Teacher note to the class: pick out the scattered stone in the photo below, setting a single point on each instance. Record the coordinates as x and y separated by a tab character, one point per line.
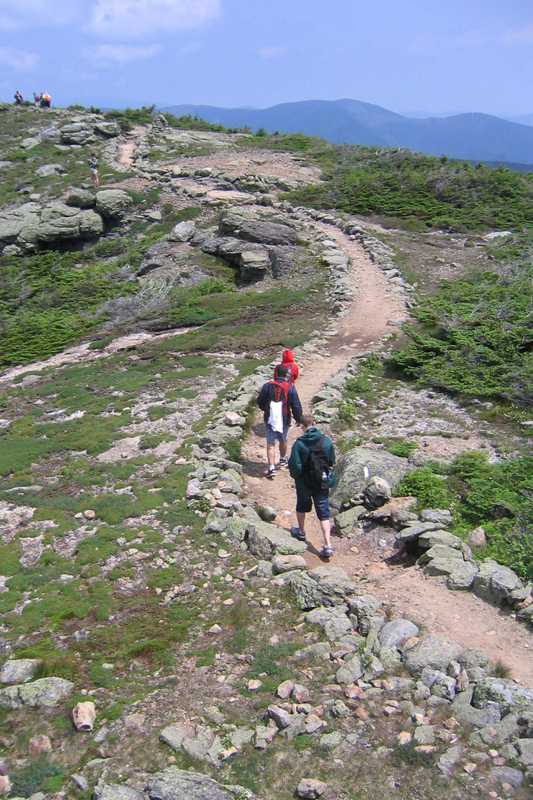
254	685
39	744
431	651
83	716
331	740
477	538
501	775
284	690
80	781
404	737
397	632
311	789
5	784
177	784
449	759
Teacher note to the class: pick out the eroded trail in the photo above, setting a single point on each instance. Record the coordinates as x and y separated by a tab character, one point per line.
126	149
427	601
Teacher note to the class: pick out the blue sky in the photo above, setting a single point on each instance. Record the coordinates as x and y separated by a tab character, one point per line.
439	56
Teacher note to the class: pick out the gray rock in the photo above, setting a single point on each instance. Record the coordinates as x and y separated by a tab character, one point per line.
76	133
477	538
350	671
42	693
49	170
514	777
396	632
413	530
80	781
322	586
282	564
112	203
334	621
177	784
249	225
462	575
363	605
107	128
390	658
310	789
424	735
352	469
495	582
330	740
174	735
444	686
449	759
497	733
431	651
478	717
509	696
18	670
438	537
113	791
525	751
377	492
346	520
80	198
440	552
182	232
266	541
440	515
472	657
526	614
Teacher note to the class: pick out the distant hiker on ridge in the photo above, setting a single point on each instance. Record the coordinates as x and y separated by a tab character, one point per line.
312	457
37	99
276	400
18	98
292	369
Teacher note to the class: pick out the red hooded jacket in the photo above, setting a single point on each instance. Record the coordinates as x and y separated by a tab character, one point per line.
288	361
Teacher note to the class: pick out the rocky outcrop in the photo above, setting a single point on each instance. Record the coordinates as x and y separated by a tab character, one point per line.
42	693
112	203
87	130
32	227
178	784
354	470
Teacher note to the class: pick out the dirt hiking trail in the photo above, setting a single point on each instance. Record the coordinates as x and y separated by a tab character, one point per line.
406	590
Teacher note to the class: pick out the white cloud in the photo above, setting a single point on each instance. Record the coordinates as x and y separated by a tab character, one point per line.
38	13
138	18
519	35
271	52
18	60
109	55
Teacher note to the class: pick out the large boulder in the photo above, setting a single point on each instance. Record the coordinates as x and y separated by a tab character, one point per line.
495	582
178	784
396	632
112	203
354	469
77	133
431	651
80	198
60	222
42	693
21	223
507	694
242	223
107	128
18	670
322	586
114	791
265	541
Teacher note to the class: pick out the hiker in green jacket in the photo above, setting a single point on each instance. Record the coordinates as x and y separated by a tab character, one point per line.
312	457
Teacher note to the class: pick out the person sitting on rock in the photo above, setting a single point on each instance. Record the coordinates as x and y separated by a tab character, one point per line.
277	399
292	368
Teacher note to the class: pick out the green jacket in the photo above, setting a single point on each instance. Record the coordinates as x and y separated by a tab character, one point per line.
300	453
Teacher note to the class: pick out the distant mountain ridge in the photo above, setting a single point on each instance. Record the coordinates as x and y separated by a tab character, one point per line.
477	137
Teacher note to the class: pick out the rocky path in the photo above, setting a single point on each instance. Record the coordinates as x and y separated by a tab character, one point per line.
127	147
427	601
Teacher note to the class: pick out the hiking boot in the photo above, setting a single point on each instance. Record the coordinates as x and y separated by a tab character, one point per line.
326	552
296	533
271	472
283	461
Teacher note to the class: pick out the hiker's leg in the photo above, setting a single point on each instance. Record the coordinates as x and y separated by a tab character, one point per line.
325	524
303	505
271	454
282	448
321	501
300	516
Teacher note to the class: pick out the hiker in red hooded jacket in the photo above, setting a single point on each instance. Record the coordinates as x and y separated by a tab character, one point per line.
292	368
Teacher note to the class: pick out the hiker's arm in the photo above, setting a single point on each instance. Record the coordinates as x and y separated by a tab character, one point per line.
263	397
295	461
331	454
296	406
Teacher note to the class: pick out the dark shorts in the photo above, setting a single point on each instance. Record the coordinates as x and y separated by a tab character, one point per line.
305	499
